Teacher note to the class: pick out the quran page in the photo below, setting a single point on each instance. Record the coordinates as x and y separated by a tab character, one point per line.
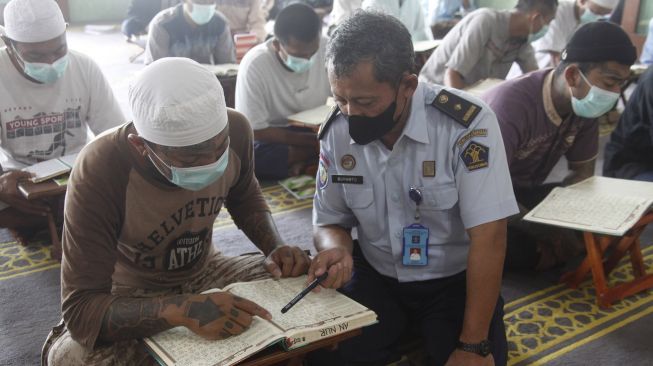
51	168
316	316
180	346
315	116
580	207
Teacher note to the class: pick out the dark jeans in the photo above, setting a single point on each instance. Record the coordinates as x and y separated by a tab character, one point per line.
133	27
432	309
271	160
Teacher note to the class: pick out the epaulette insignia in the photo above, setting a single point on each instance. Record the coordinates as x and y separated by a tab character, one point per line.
461	110
324	127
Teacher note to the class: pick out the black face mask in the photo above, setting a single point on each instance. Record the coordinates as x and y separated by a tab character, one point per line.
364	130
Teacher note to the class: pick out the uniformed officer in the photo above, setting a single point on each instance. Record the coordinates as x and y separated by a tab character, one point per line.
420	171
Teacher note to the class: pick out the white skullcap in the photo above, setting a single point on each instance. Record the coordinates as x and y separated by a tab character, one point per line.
609	4
177	102
33	21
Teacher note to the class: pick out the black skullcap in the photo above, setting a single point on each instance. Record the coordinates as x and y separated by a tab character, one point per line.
600	42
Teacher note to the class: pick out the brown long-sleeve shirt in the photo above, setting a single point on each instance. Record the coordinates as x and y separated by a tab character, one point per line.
123	225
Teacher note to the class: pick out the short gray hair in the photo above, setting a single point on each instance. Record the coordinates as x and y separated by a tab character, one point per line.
371	36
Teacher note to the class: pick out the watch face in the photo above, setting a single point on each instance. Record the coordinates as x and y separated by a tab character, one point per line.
485	348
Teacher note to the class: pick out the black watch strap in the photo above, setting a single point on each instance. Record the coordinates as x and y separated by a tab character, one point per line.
483	348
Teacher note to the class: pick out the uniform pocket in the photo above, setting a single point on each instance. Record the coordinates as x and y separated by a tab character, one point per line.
359	197
439	197
360	201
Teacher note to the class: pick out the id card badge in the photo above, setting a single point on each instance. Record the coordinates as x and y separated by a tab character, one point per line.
416	245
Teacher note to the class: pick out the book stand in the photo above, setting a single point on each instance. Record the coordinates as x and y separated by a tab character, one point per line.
596	246
47	189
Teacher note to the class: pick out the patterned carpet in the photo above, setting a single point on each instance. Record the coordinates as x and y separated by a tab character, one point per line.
543	323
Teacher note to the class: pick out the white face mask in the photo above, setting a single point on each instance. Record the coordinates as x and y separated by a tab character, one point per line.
596	103
42	72
197	177
201	13
589	16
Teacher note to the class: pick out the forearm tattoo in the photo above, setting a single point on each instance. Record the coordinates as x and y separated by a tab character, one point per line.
260	229
132	318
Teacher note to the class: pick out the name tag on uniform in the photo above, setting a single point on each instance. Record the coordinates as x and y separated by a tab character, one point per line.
416	245
347	179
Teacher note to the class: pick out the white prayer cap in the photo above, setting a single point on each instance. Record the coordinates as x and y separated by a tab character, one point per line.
609	4
33	21
177	102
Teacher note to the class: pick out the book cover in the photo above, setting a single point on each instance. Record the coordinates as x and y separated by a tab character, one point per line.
301	187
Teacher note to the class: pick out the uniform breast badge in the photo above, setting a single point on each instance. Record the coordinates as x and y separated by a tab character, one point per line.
348	162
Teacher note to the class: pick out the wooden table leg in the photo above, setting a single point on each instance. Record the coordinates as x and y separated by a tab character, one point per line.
595	257
574	279
54	237
637	260
620	250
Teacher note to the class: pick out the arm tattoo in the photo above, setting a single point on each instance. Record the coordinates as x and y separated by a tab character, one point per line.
131	318
260	229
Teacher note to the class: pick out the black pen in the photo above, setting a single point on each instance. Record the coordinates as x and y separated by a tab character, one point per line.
305	292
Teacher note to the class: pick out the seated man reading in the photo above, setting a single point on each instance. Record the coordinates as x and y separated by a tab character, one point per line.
570	16
278	78
552	113
49	98
486	42
244	16
137	244
192	29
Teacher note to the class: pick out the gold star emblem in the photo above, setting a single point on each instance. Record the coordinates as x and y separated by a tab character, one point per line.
457	107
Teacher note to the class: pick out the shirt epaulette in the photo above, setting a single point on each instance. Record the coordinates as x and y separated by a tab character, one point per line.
324	127
461	110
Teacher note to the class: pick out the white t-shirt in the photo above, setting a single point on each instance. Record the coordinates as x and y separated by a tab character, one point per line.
344	8
40	122
561	28
409	12
267	93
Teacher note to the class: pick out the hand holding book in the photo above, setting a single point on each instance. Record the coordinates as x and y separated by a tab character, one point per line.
10	195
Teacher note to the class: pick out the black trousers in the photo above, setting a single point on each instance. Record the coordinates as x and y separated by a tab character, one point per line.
432	309
521	243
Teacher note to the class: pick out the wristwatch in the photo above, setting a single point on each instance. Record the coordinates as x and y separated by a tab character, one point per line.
482	349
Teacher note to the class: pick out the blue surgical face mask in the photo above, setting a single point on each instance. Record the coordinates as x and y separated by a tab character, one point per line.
298	64
597	102
42	72
197	177
589	16
201	13
532	37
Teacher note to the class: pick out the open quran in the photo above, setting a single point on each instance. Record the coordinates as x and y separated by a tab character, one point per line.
317	316
51	168
600	205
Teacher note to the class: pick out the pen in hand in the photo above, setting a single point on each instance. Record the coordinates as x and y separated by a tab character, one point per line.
305	292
